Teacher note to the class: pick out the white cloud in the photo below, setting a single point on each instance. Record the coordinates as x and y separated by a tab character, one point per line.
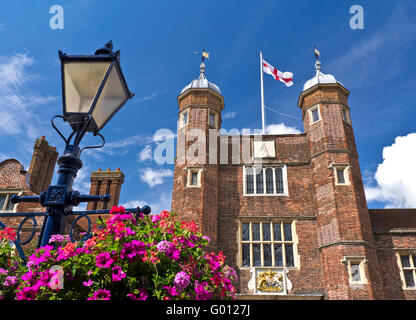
16	102
149	97
82	181
396	175
281	128
154	177
229	115
146	153
156	205
274	128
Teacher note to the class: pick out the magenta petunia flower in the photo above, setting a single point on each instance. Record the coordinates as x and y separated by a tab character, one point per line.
88	283
142	295
101	294
118	274
103	260
28	293
171	290
133	249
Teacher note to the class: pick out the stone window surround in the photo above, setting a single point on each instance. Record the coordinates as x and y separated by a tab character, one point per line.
10	192
310	110
362	261
190	170
347	114
346	168
408	252
250	220
181	118
215	119
254	167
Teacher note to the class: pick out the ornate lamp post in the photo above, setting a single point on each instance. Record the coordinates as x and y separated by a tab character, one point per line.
93	90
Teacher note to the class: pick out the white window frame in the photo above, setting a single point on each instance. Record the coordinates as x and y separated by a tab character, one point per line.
361	261
181	118
412	267
345	167
274	194
272	242
215	114
310	110
346	111
8	194
189	177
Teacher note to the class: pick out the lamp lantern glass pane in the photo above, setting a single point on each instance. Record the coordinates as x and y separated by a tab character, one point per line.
82	81
111	98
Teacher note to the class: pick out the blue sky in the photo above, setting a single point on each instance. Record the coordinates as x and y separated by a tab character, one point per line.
157	40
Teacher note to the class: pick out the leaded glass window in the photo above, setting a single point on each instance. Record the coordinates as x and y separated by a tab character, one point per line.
408	266
355	271
249	181
194	179
267	244
5	203
269	180
315	115
279	180
185	118
265	181
340	175
259	181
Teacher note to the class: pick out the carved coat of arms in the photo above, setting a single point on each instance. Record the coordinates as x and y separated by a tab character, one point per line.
270	281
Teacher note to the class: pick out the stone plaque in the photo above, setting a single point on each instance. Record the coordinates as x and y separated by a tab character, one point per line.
264	149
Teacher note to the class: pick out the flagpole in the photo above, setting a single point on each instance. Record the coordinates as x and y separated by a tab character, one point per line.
262	95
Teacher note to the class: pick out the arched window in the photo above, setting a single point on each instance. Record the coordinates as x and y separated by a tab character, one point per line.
249	181
269	180
265	181
279	181
259	181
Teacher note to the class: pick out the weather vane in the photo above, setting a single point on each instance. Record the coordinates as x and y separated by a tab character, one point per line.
204	54
316	52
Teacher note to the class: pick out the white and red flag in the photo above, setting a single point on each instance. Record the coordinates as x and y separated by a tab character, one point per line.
285	77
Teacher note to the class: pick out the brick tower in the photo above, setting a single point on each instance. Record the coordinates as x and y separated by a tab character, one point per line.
103	182
344	231
42	165
195	187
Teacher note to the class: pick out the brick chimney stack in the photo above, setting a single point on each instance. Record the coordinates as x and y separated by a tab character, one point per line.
42	165
105	182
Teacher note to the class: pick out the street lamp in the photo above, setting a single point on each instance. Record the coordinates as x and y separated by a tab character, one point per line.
93	90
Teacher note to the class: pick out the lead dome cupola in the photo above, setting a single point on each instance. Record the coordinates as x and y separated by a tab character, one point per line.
319	77
202	82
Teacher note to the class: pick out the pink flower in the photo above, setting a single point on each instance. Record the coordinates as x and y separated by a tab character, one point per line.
182	280
142	295
155	218
10	281
169	249
101	294
103	260
201	290
171	290
133	249
88	283
28	293
118	274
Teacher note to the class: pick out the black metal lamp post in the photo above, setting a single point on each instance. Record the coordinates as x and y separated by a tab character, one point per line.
93	90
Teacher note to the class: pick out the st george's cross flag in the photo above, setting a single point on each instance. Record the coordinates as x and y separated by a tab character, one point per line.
285	77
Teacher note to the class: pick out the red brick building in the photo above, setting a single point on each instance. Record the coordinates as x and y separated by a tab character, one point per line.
289	211
15	180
